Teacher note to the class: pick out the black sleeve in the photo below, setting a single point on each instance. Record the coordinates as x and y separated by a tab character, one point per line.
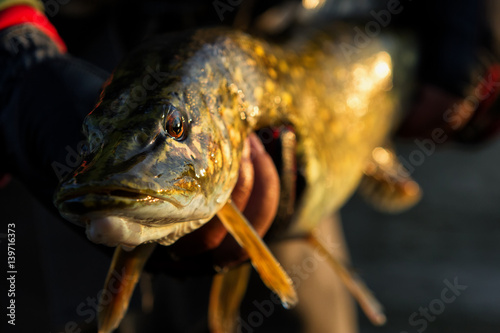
454	37
45	96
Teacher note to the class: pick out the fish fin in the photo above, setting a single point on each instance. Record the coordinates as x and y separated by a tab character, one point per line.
368	303
147	292
386	184
243	17
278	18
228	289
270	271
288	176
124	272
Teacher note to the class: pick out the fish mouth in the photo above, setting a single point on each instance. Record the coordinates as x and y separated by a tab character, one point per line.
126	193
79	201
132	194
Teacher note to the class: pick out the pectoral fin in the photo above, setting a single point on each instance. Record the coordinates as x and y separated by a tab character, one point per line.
368	303
228	289
270	271
288	174
386	184
123	274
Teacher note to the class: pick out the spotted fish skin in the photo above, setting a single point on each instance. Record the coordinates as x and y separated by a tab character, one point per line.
225	84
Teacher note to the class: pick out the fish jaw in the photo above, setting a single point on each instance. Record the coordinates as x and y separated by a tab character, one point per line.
130	221
116	230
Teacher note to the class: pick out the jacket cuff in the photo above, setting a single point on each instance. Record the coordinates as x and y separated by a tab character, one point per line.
24	14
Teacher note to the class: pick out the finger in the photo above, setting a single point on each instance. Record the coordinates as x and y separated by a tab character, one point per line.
262	205
243	189
264	199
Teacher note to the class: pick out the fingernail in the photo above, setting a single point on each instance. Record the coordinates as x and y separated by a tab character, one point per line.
256	145
247	151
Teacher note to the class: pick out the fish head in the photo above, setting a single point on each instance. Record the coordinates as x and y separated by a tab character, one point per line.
155	167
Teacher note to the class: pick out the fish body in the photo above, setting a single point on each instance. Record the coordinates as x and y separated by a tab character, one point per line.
222	85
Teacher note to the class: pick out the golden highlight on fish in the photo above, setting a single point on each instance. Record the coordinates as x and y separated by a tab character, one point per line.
166	137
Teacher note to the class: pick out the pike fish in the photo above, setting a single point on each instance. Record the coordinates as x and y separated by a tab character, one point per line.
166	137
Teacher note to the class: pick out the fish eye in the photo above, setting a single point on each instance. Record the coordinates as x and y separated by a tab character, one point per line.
175	125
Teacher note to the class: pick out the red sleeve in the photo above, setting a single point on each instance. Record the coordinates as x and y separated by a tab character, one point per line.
485	121
24	14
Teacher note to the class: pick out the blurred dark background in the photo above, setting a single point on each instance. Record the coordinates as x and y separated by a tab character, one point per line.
452	232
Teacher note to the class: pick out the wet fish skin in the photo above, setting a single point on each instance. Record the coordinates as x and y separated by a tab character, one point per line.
226	84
